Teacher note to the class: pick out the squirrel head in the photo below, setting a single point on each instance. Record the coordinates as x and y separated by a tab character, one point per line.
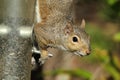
76	39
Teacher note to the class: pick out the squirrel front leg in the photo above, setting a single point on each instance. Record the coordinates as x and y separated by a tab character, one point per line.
39	56
44	56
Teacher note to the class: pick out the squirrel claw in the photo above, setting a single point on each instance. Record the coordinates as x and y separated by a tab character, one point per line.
50	55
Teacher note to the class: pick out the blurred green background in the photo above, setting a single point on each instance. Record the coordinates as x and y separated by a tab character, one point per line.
103	25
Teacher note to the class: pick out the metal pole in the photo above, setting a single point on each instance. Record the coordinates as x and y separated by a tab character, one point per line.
16	19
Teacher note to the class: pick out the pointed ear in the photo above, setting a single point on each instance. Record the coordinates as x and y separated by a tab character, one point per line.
82	24
68	28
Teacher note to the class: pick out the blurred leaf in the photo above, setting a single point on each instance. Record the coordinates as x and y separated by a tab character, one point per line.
98	39
117	37
78	72
82	73
110	11
103	55
111	2
116	61
112	71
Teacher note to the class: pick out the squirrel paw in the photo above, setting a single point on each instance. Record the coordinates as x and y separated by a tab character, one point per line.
39	56
45	58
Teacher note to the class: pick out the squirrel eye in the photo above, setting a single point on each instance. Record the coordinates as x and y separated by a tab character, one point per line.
75	39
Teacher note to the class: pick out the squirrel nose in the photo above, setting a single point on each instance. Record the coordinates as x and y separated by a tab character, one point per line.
88	52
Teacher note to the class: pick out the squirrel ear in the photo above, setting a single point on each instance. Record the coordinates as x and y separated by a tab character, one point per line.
82	24
68	28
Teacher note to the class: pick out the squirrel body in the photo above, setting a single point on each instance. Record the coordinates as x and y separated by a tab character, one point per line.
57	29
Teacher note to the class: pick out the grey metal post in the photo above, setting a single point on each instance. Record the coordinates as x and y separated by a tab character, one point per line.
16	20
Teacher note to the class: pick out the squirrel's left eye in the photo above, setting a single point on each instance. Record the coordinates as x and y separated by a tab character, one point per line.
75	39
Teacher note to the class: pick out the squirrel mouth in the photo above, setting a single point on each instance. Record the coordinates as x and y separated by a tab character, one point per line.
79	53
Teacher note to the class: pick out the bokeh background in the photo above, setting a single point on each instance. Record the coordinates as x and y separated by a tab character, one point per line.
103	25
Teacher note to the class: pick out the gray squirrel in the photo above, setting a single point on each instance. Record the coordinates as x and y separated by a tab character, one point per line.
55	27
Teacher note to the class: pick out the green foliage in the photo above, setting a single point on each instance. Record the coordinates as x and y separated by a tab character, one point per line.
111	10
101	46
111	2
117	37
98	39
112	71
77	72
